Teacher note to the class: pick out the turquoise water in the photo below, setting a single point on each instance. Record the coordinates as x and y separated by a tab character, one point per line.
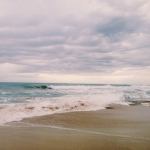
21	92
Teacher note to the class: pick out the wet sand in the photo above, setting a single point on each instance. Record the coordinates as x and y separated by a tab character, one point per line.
123	127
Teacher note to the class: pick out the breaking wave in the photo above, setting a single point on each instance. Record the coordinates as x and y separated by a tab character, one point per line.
16	112
38	87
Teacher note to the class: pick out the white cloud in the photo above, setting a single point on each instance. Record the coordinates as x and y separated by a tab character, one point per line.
10	68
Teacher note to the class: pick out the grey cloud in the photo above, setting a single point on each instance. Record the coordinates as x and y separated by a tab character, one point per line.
75	45
120	25
113	27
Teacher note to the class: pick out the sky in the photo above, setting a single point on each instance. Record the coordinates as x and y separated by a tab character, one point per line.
82	41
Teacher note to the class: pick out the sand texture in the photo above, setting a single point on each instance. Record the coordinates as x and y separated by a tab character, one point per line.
120	128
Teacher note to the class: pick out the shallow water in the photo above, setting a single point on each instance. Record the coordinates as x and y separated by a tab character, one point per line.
21	100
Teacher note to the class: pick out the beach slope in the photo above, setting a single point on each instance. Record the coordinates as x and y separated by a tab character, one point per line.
123	127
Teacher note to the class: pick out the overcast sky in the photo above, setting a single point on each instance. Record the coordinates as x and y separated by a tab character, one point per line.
81	41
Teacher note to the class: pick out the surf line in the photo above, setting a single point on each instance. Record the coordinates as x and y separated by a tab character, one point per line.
86	131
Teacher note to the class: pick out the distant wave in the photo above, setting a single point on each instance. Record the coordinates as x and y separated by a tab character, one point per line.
120	84
37	87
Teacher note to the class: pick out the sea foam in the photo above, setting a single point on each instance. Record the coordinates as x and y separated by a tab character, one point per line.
18	102
16	112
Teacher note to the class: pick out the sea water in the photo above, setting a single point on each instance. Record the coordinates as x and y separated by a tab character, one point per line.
23	100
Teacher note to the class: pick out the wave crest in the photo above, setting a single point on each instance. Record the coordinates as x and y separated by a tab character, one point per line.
38	87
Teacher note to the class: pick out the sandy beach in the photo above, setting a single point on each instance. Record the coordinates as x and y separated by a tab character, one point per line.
122	127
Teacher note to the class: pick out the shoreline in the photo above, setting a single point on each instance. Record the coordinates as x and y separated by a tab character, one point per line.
124	127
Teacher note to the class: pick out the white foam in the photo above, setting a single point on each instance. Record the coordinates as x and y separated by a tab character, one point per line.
39	107
73	98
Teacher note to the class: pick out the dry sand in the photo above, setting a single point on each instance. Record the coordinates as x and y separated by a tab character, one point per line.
121	128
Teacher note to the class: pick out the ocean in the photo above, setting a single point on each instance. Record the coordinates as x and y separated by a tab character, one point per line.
24	100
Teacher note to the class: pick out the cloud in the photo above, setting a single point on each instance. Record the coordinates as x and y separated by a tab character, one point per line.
10	68
72	38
